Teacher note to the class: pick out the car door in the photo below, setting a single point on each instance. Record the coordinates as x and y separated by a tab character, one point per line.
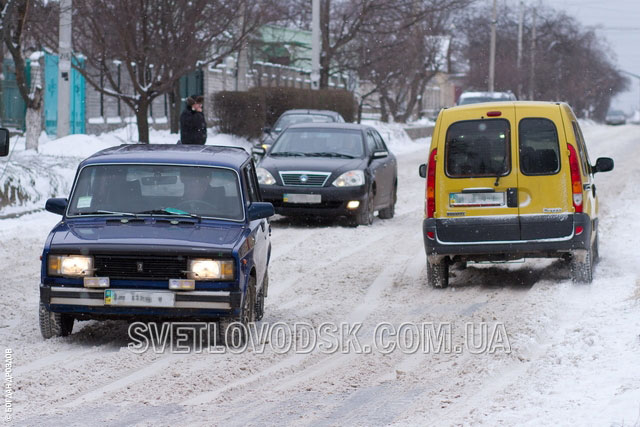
544	180
259	227
477	198
376	170
388	170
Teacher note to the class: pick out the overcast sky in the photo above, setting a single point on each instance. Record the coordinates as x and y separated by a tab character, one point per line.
619	22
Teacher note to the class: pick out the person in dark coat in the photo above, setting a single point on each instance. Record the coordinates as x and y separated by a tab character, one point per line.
193	128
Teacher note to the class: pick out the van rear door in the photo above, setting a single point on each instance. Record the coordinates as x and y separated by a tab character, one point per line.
477	200
544	181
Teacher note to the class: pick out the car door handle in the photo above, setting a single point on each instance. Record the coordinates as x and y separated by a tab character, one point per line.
586	186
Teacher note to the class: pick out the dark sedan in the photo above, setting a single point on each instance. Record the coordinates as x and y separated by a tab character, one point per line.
330	169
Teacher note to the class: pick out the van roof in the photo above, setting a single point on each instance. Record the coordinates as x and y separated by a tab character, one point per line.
503	104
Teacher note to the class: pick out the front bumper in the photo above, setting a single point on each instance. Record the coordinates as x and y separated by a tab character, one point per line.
89	303
504	249
333	200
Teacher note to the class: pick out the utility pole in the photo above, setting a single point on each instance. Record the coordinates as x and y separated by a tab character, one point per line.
315	44
519	59
532	71
64	69
492	51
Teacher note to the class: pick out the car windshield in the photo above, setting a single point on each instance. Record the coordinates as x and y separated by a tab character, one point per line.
346	143
292	119
616	113
130	189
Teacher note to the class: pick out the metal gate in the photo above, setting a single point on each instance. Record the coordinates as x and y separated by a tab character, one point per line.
77	99
13	106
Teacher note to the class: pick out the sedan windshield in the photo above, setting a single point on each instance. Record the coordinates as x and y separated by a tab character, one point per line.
292	119
157	190
345	143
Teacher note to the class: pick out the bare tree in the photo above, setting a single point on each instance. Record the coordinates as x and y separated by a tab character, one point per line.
17	20
157	42
572	63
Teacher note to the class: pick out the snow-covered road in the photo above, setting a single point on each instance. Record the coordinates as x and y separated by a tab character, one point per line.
573	349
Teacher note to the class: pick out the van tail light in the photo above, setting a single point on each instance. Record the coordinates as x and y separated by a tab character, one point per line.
431	184
576	179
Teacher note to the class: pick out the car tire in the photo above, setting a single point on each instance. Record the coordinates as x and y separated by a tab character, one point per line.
438	272
365	215
54	324
389	211
261	296
235	331
581	266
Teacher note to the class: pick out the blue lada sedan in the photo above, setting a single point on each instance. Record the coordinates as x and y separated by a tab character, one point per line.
157	232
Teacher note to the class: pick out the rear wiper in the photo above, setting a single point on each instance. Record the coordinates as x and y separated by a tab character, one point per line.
330	154
169	211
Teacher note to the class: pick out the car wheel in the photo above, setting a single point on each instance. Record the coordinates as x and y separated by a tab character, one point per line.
581	265
54	324
235	331
365	215
260	299
389	211
438	272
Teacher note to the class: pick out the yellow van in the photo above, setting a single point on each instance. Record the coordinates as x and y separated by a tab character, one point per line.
510	180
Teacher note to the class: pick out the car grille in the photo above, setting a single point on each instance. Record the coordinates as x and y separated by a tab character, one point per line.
140	267
306	179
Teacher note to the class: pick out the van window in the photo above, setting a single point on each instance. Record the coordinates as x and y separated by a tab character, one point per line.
582	149
539	148
476	148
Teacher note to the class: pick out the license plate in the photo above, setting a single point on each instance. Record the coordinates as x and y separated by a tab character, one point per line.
476	199
138	298
302	198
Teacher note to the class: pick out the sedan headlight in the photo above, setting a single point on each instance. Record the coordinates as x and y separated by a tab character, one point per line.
350	179
210	269
70	265
265	177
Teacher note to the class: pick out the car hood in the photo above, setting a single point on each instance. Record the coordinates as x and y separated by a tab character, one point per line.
311	164
149	235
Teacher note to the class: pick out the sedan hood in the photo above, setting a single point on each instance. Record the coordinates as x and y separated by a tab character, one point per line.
315	164
144	235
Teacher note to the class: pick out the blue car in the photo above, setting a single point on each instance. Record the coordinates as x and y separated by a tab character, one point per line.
158	232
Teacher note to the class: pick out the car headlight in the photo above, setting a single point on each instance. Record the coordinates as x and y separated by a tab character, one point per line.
265	177
70	265
350	179
210	269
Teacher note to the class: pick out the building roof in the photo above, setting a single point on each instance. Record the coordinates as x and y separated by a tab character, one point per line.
202	155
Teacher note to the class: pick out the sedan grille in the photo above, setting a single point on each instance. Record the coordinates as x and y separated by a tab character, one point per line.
140	267
305	179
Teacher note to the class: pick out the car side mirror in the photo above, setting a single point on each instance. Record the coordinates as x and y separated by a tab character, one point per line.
56	206
422	170
4	142
260	151
603	164
259	210
380	154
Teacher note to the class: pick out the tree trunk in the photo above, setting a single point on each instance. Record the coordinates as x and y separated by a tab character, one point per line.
33	124
384	113
33	120
174	107
142	112
325	54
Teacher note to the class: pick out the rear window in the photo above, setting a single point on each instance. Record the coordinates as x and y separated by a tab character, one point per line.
539	148
477	148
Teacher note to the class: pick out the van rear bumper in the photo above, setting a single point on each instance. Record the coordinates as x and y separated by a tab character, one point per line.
539	247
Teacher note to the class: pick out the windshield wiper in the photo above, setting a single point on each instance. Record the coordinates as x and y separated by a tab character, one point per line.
288	153
330	154
103	212
169	211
